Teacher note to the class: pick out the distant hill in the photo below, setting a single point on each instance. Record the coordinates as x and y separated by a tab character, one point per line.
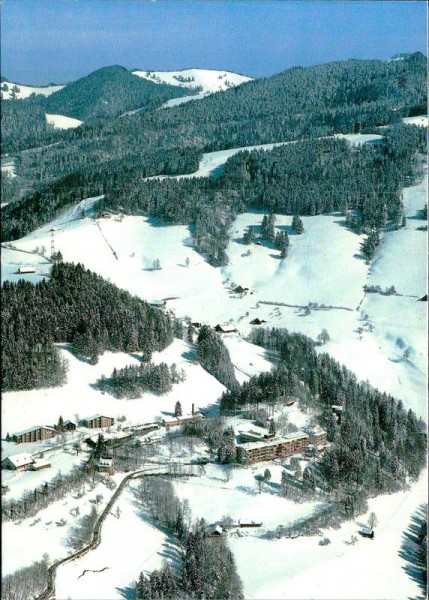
206	81
106	93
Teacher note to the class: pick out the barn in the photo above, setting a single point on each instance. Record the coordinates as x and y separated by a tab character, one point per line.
17	462
26	270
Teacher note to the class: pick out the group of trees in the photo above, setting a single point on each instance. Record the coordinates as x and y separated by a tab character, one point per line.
134	380
207	569
74	306
27	582
379	444
214	357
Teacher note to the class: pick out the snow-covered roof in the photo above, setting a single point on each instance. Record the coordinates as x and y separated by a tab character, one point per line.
255	432
42	462
35	428
18	460
97	417
105	462
315	430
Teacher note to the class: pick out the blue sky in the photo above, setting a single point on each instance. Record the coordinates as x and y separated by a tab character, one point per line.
61	40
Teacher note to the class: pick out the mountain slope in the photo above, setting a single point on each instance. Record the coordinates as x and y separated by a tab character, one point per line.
206	81
106	93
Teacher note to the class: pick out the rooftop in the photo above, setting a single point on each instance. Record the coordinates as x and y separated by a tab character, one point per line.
20	459
273	442
34	429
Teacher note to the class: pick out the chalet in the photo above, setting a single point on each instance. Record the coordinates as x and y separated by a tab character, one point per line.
40	464
106	465
275	448
69	426
17	462
225	328
367	532
99	421
255	434
257	321
215	531
26	270
34	434
248	524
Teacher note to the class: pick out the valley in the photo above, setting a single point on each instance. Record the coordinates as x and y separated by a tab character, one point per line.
255	369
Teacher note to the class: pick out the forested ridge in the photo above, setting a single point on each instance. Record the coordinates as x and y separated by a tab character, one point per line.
74	306
344	97
103	94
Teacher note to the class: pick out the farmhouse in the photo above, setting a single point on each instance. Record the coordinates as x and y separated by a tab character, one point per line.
98	421
26	270
278	447
34	434
17	462
225	328
257	321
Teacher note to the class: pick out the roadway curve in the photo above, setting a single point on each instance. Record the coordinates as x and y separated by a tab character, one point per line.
49	592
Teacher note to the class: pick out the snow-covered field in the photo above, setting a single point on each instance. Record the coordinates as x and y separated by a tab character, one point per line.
62	122
8	167
211	497
421	120
208	80
133	533
299	569
27	408
25	541
323	266
25	90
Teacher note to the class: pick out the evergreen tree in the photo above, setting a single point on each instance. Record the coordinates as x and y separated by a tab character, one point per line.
297	224
178	409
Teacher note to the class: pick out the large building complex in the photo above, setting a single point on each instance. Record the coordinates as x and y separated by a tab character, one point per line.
280	446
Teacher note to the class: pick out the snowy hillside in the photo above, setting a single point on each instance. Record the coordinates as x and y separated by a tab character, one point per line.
206	80
25	91
23	409
368	332
62	122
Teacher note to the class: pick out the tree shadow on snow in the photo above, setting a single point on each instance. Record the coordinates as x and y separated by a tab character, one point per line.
415	565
